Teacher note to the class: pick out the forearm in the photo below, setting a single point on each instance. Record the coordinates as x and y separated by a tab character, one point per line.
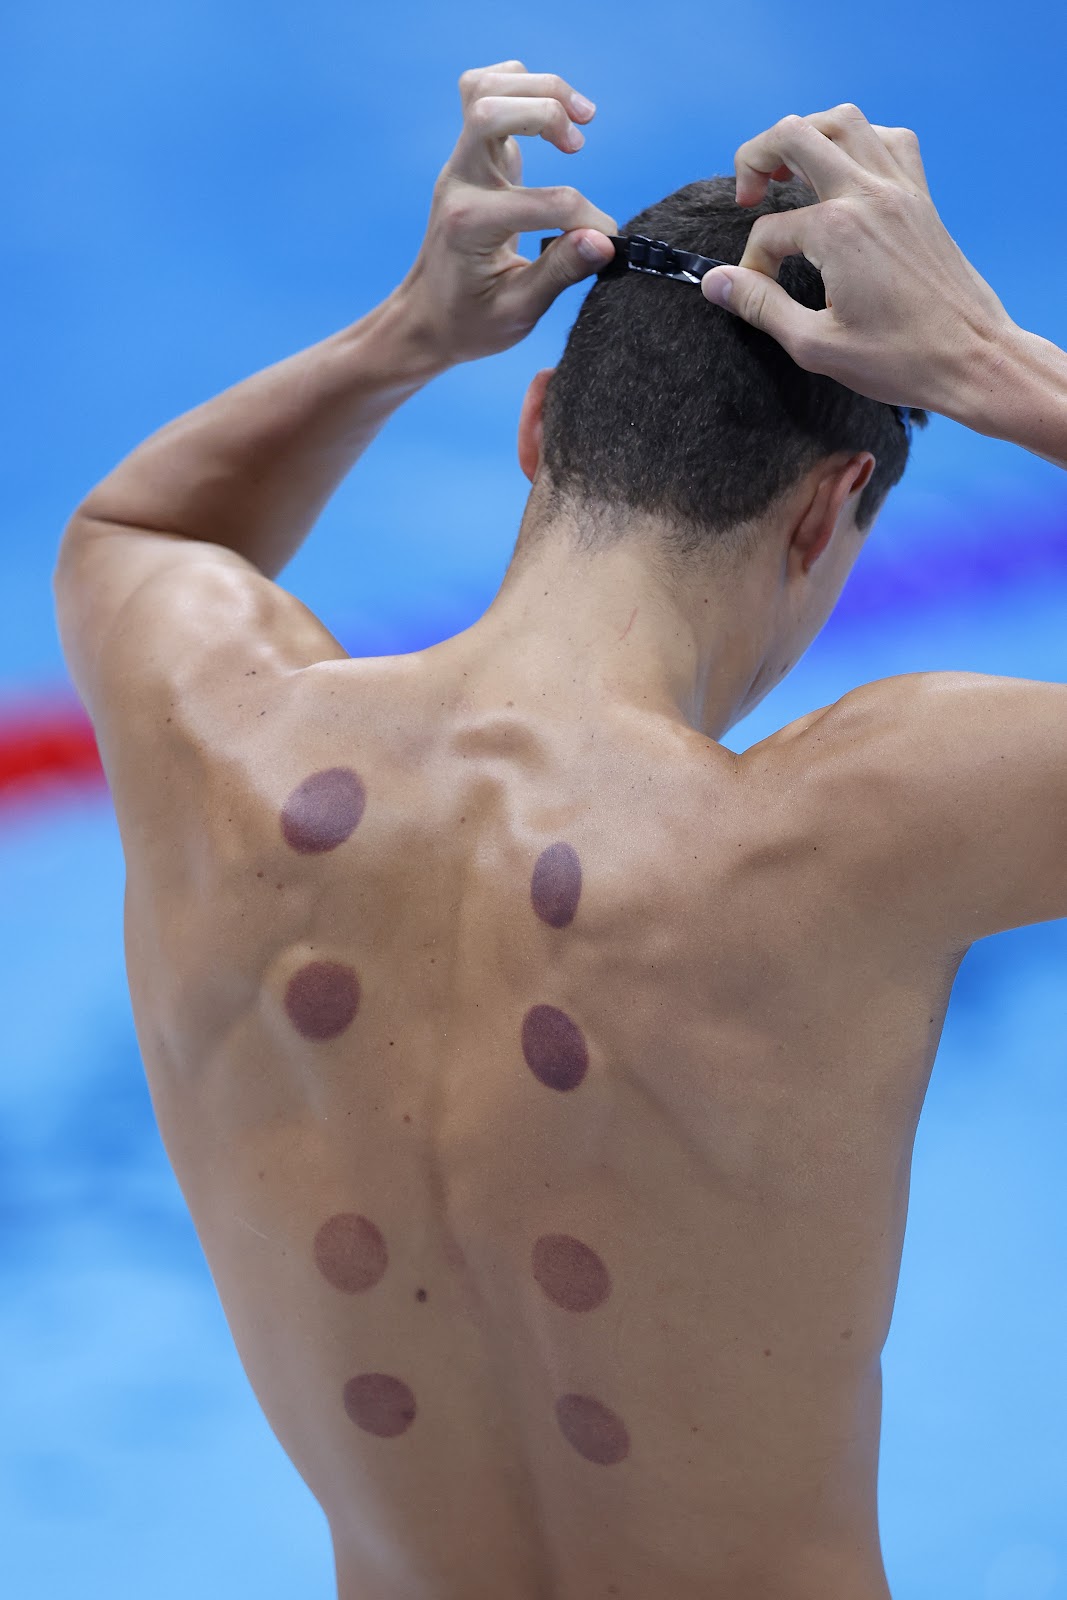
1017	390
253	468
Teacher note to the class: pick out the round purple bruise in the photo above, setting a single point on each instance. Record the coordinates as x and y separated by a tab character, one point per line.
323	810
594	1431
380	1404
572	1275
350	1252
554	1048
556	884
321	999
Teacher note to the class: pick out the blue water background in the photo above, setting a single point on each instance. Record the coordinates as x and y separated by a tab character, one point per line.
191	191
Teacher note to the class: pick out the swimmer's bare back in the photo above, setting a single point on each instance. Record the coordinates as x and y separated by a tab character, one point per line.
542	1076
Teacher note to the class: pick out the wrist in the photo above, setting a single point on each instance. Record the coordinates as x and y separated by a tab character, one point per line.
1015	388
398	342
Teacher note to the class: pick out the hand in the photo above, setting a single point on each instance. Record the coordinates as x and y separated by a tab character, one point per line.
470	291
906	311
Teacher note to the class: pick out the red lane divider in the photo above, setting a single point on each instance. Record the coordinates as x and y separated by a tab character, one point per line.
47	746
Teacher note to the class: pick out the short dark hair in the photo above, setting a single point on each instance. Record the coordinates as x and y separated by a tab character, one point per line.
665	404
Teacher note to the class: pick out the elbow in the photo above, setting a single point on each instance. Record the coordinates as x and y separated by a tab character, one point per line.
71	542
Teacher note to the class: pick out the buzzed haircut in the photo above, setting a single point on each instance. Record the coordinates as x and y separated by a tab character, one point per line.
664	404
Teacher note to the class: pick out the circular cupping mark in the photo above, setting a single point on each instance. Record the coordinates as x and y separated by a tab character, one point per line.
554	1048
572	1275
556	884
350	1252
321	999
594	1431
380	1404
323	810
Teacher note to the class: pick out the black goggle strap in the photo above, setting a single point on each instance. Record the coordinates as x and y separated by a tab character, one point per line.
635	253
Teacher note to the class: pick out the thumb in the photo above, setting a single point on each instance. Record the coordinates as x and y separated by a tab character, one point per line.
568	259
763	303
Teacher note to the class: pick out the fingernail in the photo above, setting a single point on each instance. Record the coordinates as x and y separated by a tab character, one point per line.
575	137
717	288
582	106
589	252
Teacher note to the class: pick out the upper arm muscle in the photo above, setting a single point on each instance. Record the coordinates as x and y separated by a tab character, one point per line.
957	787
155	627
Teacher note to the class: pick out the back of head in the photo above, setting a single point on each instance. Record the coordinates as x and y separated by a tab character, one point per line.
666	405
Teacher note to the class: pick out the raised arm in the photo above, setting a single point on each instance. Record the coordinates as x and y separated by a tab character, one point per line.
1021	395
962	777
252	469
163	579
908	320
953	784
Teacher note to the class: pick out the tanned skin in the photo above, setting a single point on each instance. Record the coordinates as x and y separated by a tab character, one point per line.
541	1075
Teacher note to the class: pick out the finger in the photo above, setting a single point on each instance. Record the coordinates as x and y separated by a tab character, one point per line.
796	143
567	261
511	161
469	80
903	146
849	129
534	210
781	234
491	119
537	85
764	304
487	217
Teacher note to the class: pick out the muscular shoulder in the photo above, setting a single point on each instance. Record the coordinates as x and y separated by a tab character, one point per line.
878	737
183	654
945	794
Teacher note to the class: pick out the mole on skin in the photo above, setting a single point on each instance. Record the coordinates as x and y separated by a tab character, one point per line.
322	999
556	884
380	1404
554	1048
571	1275
592	1429
323	811
350	1252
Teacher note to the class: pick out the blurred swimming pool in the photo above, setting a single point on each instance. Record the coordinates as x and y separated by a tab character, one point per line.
196	192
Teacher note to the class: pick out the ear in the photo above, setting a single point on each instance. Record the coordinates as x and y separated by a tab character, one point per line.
836	485
530	422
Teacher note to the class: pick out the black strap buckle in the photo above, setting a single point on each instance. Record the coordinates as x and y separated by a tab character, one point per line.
636	253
